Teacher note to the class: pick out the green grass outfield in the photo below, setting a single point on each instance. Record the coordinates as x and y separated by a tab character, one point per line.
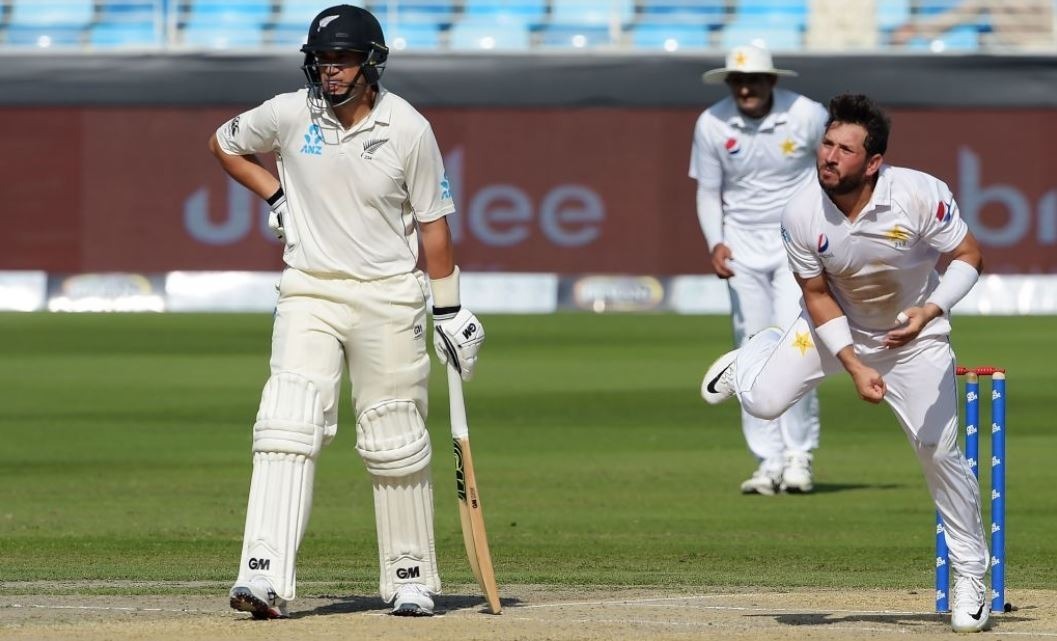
125	456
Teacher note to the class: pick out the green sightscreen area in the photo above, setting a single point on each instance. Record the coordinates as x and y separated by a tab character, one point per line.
125	457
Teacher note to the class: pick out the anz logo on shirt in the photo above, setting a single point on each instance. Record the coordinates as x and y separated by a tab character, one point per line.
313	141
445	188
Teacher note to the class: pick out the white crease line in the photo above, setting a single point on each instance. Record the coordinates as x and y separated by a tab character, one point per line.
103	608
648	601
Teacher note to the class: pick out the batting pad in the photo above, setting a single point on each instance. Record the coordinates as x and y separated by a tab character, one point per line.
394	444
287	439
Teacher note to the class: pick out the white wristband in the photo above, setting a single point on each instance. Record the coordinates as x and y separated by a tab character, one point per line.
834	334
446	290
956	282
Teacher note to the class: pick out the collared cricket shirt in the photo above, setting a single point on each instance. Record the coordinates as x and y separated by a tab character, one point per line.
885	260
757	165
353	196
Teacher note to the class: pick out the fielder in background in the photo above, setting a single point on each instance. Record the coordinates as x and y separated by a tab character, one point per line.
361	184
864	240
751	152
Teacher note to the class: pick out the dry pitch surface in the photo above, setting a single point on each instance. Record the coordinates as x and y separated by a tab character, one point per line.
538	613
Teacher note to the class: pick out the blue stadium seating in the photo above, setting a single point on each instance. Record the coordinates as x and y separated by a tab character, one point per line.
931	7
963	38
44	37
488	35
136	34
221	37
591	12
529	12
574	36
787	12
66	14
891	14
712	13
776	35
300	13
128	23
420	35
438	12
221	24
670	37
238	13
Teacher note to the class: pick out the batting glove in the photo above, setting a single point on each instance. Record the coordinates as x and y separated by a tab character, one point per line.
276	213
457	337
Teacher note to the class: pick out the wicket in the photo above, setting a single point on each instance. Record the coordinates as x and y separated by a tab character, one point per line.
998	483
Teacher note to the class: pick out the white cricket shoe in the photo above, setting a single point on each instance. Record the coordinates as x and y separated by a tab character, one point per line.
796	476
259	599
970	611
765	480
412	600
718	384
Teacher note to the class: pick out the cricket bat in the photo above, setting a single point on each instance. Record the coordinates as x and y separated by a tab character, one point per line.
473	532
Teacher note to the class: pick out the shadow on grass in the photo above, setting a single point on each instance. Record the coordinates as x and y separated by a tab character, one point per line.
826	488
443	603
895	618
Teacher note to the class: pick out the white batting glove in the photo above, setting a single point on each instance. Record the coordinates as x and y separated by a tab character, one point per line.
457	337
276	213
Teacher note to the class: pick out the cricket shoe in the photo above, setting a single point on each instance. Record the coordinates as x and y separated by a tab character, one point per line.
766	480
718	384
970	611
259	599
412	600
796	475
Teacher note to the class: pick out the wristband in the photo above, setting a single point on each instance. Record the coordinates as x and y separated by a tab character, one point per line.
446	293
834	334
954	285
276	197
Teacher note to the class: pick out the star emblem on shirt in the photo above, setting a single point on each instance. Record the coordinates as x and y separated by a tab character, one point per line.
803	342
788	146
898	235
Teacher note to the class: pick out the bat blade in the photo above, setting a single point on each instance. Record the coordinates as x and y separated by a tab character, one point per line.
471	515
474	535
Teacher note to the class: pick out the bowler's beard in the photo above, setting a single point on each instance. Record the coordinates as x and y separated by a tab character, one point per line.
845	184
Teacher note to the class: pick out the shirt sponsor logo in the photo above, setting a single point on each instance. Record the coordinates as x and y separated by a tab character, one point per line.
233	127
823	243
313	141
786	238
445	188
944	212
732	146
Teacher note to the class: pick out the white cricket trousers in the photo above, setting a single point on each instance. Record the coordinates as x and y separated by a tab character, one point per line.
762	298
376	329
776	368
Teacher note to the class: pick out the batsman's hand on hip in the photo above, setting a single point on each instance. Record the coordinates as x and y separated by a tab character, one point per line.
276	214
457	337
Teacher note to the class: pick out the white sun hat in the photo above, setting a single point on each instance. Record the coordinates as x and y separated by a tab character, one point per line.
745	59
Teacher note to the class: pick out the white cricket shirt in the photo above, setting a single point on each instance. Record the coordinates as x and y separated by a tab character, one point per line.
884	261
353	196
757	164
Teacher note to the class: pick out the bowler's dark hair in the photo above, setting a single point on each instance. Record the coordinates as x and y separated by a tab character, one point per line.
857	109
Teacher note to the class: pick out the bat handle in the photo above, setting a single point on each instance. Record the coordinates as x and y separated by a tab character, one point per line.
459	426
